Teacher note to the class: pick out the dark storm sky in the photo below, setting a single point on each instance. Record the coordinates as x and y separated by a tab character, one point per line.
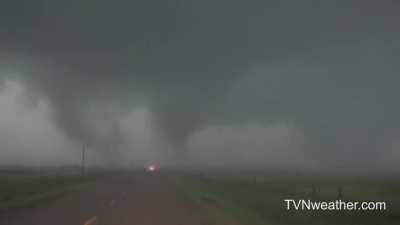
331	68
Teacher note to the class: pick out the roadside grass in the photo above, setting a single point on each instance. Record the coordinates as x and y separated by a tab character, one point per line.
18	189
262	202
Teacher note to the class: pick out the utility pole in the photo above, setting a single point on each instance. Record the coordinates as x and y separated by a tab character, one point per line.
83	159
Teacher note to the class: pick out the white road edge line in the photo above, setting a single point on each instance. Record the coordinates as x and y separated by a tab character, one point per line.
91	221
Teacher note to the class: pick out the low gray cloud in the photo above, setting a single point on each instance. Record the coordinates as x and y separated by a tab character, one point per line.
327	67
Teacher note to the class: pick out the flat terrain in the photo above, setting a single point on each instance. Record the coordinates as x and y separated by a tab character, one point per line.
19	188
166	198
260	199
143	199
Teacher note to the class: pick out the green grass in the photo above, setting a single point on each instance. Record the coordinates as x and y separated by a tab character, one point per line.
24	188
262	202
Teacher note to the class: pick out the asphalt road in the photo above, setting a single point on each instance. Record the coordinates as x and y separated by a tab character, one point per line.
140	199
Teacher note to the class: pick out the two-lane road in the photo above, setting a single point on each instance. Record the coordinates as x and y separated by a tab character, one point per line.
140	199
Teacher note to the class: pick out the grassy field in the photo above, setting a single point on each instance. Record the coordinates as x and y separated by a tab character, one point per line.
260	201
24	187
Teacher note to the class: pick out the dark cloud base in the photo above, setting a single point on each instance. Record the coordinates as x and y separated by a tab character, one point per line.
329	67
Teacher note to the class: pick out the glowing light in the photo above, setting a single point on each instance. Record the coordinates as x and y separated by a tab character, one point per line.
151	168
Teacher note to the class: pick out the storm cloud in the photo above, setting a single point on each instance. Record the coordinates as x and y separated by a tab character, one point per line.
328	68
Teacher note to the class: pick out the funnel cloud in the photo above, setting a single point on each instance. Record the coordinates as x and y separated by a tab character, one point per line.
303	83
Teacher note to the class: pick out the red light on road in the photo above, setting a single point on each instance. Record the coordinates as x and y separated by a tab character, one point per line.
151	168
